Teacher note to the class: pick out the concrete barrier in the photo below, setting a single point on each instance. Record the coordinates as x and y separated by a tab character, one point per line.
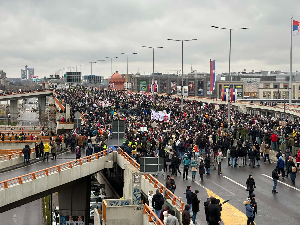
27	185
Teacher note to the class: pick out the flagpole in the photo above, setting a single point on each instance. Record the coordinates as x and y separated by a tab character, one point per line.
210	79
291	63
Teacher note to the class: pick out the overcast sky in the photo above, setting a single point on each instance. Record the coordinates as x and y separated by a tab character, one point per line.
50	35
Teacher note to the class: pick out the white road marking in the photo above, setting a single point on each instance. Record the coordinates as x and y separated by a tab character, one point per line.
290	186
221	187
198	183
235	182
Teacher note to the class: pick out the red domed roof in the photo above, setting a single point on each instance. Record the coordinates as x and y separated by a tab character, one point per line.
116	76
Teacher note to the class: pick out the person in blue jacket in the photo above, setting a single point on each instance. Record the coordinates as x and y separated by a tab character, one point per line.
186	165
249	212
280	166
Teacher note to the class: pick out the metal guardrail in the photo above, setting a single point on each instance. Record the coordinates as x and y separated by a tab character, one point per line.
15	154
59	104
151	214
51	170
152	180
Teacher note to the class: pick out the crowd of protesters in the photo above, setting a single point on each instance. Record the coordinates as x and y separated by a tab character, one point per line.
196	137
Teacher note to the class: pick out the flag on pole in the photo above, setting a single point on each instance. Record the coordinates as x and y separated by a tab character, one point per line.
224	94
296	27
233	94
212	74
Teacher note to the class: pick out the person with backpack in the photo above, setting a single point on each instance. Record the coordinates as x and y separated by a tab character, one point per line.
292	169
194	169
280	166
186	165
157	202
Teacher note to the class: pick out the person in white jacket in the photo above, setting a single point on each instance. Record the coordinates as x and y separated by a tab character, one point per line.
150	196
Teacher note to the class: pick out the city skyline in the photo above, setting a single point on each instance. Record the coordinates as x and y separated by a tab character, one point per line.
53	35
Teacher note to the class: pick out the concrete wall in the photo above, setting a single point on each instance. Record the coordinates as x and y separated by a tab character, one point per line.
16	145
15	161
44	183
126	215
108	188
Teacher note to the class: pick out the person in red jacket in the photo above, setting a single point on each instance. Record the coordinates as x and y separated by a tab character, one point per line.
298	158
274	141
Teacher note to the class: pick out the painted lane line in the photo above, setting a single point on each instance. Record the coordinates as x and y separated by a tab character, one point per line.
235	182
282	183
198	183
221	187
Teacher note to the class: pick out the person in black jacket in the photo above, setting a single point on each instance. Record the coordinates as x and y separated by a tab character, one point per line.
252	157
186	218
207	164
206	204
195	205
157	202
26	152
214	212
275	177
233	154
250	185
188	195
253	204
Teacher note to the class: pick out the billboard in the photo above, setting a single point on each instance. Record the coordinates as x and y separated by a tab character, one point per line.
163	86
173	87
200	88
185	90
23	74
31	72
191	87
178	90
143	85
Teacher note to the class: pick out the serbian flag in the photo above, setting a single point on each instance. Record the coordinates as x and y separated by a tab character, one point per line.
233	94
224	94
296	27
212	74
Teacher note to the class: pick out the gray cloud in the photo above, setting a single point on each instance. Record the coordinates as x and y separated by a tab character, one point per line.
50	35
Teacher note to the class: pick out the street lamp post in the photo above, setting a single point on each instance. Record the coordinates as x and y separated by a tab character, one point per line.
182	65
123	53
111	58
100	60
229	75
92	67
152	89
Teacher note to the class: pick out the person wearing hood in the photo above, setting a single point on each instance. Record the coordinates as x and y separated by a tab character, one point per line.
249	212
207	164
280	166
253	204
188	195
186	165
26	153
186	218
47	150
89	150
250	185
172	219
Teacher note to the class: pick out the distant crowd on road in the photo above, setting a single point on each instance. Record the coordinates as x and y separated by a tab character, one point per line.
197	137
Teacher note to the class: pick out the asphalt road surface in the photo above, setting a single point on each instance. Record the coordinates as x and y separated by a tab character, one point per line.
281	208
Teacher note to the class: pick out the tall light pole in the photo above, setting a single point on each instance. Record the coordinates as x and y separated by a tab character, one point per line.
92	67
134	53
229	59
182	64
100	60
152	89
111	58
